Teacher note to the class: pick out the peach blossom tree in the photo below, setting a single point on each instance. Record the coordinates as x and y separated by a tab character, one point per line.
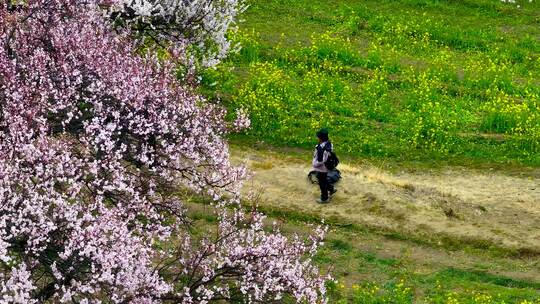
93	137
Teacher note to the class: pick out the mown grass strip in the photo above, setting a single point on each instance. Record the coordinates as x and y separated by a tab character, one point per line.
427	238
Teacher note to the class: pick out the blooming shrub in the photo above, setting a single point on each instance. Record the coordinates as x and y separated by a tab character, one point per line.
197	29
429	122
375	97
93	137
432	127
519	118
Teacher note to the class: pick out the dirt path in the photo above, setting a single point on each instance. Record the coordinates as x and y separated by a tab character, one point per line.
476	206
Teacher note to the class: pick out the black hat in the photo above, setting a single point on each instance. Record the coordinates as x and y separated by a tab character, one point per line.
322	134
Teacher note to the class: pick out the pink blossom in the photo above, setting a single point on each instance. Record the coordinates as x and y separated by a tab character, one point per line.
94	141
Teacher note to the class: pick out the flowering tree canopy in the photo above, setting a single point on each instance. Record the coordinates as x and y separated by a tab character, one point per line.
197	28
93	137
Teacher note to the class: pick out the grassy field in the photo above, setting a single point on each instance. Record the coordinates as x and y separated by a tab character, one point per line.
410	86
409	236
371	266
421	80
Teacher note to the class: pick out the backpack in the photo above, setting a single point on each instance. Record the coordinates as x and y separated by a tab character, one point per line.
332	161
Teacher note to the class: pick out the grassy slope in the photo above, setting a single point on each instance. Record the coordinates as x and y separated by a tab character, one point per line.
450	81
375	235
367	70
379	265
374	268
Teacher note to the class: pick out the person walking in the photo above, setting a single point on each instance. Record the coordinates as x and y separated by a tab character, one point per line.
320	156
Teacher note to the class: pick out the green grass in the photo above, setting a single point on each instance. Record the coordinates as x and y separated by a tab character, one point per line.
376	268
391	280
479	276
428	81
